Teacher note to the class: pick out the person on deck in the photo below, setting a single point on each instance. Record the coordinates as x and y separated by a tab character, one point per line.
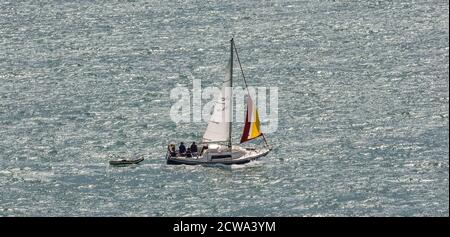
172	150
188	152
182	149
194	149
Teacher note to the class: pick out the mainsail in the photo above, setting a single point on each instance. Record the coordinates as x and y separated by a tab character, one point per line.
218	129
252	127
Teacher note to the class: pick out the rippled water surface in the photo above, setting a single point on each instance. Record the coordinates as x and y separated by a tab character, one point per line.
363	107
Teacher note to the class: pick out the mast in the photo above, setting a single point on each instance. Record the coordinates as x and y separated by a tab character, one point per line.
231	87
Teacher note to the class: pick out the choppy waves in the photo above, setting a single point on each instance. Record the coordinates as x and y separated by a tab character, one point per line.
363	107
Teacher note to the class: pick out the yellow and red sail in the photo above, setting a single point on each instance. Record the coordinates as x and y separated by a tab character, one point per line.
252	127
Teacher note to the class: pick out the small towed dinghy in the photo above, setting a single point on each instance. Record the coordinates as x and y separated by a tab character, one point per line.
123	161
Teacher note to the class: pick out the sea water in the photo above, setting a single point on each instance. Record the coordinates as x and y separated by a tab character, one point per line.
362	106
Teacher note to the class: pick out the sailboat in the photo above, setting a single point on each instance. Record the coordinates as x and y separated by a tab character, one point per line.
216	146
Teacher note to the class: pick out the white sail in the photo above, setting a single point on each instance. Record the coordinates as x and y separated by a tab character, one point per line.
218	129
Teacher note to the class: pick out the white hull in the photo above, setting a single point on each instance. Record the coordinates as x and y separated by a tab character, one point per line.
239	155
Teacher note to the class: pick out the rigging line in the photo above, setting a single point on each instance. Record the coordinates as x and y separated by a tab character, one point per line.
242	71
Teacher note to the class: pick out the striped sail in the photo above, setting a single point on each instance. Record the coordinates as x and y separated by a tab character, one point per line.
252	127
